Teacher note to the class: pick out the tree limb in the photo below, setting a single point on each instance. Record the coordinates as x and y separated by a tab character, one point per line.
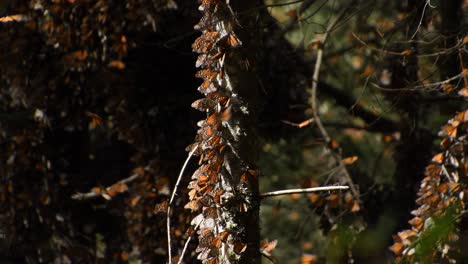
92	194
305	190
315	79
168	217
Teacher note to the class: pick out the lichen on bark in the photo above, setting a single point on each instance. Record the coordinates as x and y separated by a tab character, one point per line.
224	189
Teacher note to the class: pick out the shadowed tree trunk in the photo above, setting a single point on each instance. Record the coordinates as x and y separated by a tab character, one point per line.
451	14
225	186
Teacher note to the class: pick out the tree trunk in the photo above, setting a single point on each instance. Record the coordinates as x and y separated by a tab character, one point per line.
451	14
225	187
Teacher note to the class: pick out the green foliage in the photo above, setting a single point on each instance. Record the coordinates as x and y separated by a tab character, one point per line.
436	234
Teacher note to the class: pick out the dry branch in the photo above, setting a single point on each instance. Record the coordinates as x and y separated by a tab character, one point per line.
169	207
315	81
305	190
93	194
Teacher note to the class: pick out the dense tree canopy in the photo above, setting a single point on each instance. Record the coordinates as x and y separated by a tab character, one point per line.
103	151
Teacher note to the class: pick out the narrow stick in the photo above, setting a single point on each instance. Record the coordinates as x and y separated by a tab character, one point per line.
306	190
315	80
187	243
168	217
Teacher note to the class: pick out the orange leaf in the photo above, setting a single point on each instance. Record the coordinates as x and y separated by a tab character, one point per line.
439	158
139	170
223	236
445	143
416	222
368	70
305	123
194	205
95	120
350	160
96	190
463	92
307	246
333	200
462	116
295	196
161	207
292	13
443	188
451	131
455	187
405	234
13	18
267	247
355	207
124	255
210	212
117	64
239	248
406	53
397	248
116	188
448	88
212	261
314	45
299	125
135	200
216	242
314	198
80	55
333	144
308	259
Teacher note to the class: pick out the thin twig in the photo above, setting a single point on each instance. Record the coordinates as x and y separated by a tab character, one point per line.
403	53
306	190
428	2
292	22
89	195
299	125
315	80
270	258
187	243
168	217
430	86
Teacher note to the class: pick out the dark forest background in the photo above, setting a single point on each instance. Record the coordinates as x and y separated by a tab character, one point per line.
95	119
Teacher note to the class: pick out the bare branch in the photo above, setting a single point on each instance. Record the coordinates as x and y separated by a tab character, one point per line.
187	243
374	121
430	86
305	190
168	217
455	48
315	80
92	194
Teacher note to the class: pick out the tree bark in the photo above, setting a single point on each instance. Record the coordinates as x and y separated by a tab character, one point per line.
451	14
225	186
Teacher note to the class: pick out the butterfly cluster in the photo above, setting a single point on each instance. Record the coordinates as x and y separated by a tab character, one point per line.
211	187
443	190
